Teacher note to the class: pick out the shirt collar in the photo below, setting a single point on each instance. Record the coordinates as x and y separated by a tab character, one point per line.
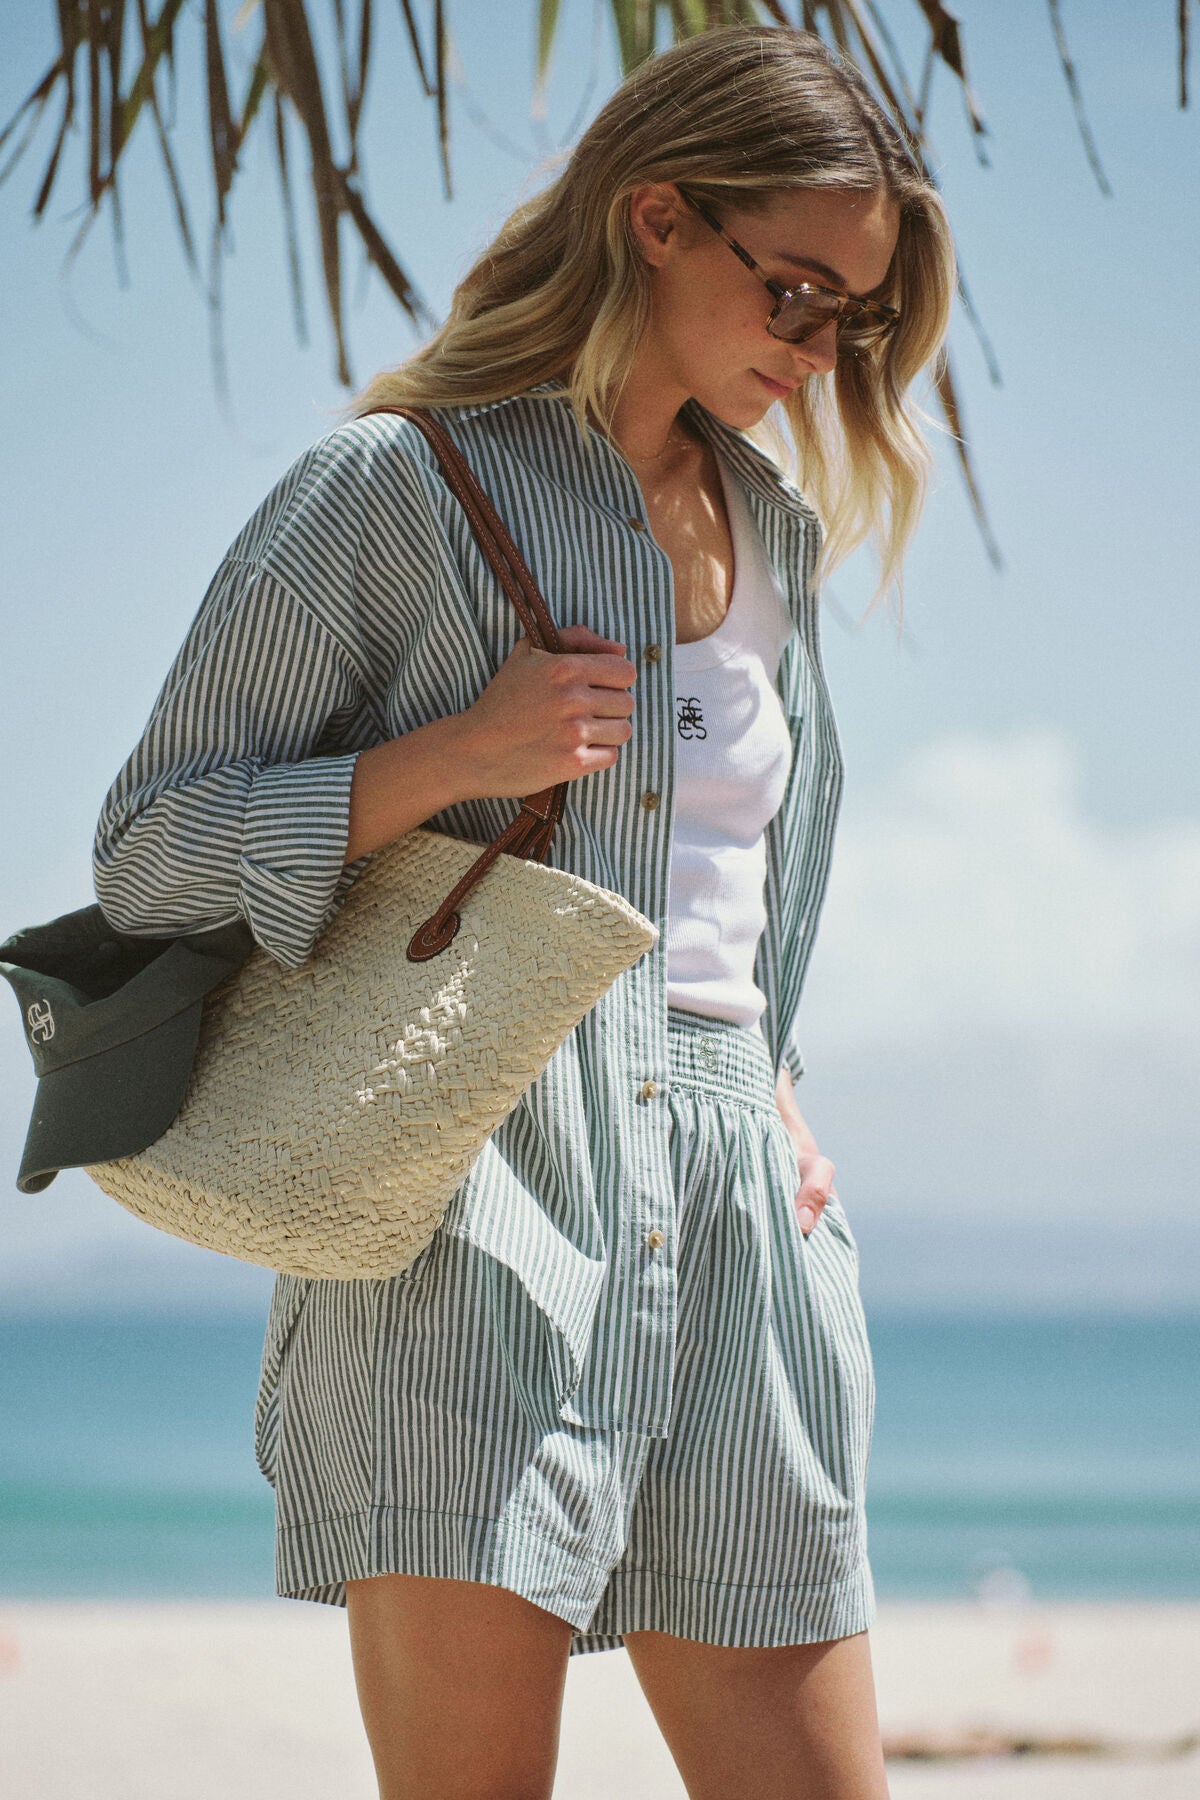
753	465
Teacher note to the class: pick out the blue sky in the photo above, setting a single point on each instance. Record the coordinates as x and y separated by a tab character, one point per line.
1001	1012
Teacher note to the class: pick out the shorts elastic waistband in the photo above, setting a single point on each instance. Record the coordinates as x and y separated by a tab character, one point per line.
716	1057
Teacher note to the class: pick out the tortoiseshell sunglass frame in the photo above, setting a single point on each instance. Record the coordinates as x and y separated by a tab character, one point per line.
861	324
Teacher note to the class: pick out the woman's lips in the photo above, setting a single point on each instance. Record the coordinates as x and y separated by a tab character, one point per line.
778	388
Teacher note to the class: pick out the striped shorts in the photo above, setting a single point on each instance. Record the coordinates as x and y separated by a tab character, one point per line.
399	1434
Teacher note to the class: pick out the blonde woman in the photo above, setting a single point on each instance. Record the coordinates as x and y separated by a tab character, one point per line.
626	1395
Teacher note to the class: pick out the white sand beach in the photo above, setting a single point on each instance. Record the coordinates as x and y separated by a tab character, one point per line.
162	1700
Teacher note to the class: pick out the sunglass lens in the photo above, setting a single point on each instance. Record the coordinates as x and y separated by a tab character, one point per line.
862	330
807	314
803	316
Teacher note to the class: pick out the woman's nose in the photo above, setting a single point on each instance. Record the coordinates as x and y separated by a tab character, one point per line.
820	351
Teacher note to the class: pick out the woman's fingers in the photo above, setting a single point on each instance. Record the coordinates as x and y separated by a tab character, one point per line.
596	668
551	716
816	1184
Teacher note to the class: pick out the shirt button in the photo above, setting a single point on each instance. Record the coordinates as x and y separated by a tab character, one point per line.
653	653
637	524
650	801
649	1089
655	1239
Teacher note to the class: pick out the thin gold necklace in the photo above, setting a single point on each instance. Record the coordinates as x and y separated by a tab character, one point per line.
675	440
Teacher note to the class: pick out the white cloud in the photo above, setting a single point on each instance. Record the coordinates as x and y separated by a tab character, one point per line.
972	892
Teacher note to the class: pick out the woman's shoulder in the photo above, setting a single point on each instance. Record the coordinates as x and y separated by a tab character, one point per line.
372	451
320	504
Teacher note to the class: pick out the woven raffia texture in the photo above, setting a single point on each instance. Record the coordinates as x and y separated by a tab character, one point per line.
334	1109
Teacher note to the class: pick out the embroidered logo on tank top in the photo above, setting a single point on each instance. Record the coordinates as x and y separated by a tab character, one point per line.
690	719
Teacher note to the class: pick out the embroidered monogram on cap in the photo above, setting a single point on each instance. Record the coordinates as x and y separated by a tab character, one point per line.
691	719
41	1022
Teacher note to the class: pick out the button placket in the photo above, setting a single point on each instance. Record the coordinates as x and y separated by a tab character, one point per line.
654	1282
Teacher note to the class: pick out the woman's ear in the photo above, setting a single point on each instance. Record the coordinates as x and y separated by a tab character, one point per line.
655	210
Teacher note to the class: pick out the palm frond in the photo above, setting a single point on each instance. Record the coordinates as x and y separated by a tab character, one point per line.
547	26
295	72
88	72
224	138
947	394
441	44
155	44
1183	22
287	69
290	237
1076	93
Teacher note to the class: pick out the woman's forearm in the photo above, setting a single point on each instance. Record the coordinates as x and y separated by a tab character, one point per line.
398	785
785	1100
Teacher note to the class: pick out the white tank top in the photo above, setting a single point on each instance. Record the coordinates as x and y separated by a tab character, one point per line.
733	752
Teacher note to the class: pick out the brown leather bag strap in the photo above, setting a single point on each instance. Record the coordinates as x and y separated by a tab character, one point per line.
530	832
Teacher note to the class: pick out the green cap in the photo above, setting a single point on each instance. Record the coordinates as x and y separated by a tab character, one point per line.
112	1023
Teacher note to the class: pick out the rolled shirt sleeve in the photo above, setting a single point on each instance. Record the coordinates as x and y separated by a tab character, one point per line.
236	801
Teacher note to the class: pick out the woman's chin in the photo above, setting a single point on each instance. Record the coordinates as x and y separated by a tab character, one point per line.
740	407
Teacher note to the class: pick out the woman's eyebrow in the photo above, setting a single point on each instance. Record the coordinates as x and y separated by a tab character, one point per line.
831	275
819	268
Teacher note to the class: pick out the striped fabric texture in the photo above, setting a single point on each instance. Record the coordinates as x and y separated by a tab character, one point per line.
407	1427
355	605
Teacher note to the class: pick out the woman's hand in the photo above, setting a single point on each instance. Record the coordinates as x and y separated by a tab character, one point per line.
543	718
815	1171
547	717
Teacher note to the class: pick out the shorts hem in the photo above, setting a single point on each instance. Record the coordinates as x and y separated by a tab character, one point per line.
723	1613
315	1559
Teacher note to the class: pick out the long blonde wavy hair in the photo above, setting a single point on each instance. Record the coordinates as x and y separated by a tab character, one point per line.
735	114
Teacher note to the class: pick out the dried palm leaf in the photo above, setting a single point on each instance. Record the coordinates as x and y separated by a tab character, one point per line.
291	240
547	26
287	67
224	137
294	67
440	90
155	43
1073	88
1183	53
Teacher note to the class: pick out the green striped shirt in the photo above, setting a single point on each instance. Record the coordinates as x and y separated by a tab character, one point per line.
355	605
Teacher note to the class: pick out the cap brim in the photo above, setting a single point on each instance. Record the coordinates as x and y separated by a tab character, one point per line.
110	1104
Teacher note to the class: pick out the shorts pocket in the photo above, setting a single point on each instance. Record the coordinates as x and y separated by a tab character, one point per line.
288	1298
832	1215
835	1217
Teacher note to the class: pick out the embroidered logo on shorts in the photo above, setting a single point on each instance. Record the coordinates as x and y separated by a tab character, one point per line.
707	1052
41	1022
690	719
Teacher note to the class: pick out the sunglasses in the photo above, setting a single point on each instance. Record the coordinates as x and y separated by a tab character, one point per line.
801	312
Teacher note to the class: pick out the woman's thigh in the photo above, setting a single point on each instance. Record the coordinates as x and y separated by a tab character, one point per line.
794	1723
460	1685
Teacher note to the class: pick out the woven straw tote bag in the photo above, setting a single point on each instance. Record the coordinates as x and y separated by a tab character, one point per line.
334	1109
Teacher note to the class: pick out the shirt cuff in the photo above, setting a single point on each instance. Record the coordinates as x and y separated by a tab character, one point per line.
292	873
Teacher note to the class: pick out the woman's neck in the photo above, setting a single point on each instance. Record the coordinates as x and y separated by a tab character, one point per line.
646	427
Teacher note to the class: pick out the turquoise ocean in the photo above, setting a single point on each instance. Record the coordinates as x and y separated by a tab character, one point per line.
1024	1455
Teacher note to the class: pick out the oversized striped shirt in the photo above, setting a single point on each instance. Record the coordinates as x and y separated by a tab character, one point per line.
355	605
